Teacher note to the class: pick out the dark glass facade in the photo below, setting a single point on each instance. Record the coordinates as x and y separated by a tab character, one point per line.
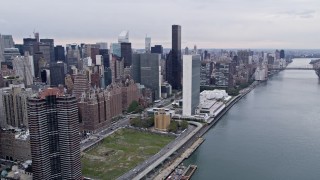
176	58
31	45
20	47
59	53
145	70
157	49
282	55
126	53
105	57
50	44
57	73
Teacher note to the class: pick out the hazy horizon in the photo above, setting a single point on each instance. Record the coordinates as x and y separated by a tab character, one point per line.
217	24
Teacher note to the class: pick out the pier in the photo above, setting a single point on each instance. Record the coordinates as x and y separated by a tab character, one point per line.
168	170
189	172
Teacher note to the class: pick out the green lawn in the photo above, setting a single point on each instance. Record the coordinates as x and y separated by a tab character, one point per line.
121	152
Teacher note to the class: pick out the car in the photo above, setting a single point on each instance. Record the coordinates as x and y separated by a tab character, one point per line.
157	101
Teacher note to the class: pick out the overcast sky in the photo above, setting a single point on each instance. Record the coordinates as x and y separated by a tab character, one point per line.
206	23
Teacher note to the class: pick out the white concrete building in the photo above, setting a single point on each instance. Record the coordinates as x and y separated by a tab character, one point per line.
24	68
148	44
191	84
212	102
123	37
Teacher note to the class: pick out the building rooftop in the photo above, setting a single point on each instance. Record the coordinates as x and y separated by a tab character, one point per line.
50	92
214	94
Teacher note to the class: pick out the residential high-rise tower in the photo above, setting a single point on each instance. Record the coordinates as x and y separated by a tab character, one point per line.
54	135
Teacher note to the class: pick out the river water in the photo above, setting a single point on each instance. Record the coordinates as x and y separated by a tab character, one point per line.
272	133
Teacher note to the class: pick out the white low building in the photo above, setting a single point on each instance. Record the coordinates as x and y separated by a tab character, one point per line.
212	102
213	95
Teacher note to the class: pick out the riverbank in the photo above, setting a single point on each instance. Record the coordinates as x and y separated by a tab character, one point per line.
229	105
270	134
168	170
198	139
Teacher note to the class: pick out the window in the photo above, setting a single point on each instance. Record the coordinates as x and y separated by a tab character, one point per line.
55	165
52	121
54	143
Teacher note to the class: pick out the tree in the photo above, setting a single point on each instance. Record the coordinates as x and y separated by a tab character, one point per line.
173	127
233	92
184	124
150	122
136	122
133	106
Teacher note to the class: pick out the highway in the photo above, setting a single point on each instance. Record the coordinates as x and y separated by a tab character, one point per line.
95	138
133	172
170	152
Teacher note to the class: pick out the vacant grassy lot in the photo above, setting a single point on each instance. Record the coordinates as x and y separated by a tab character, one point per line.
121	152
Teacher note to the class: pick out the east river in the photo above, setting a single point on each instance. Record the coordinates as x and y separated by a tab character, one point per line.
273	133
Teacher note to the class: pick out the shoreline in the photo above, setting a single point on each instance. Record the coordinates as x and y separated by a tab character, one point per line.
229	106
204	130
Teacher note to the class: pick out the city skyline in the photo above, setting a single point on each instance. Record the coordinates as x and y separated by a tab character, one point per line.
208	24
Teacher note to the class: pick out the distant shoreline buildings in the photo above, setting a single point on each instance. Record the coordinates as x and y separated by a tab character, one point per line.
53	95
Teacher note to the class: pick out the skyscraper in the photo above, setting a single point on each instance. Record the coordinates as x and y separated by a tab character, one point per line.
146	70
191	84
20	47
73	54
54	135
282	55
157	49
36	60
10	53
7	41
102	45
31	45
123	37
1	49
59	53
126	53
115	49
105	57
175	74
24	68
148	44
58	70
46	46
14	106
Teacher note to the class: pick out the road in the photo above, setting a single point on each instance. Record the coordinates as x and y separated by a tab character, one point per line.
95	138
169	151
133	172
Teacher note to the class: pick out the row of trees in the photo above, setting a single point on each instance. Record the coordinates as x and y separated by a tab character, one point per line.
142	123
175	126
135	107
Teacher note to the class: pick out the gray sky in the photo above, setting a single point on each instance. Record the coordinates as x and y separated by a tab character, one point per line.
206	23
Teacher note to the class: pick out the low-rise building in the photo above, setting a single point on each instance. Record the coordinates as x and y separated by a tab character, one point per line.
162	119
212	102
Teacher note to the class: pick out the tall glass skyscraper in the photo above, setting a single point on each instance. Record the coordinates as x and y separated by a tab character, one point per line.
174	63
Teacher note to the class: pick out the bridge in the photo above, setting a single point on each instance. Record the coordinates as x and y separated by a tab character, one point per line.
294	68
314	65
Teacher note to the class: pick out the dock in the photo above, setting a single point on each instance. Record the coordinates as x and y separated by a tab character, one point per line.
189	172
171	167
